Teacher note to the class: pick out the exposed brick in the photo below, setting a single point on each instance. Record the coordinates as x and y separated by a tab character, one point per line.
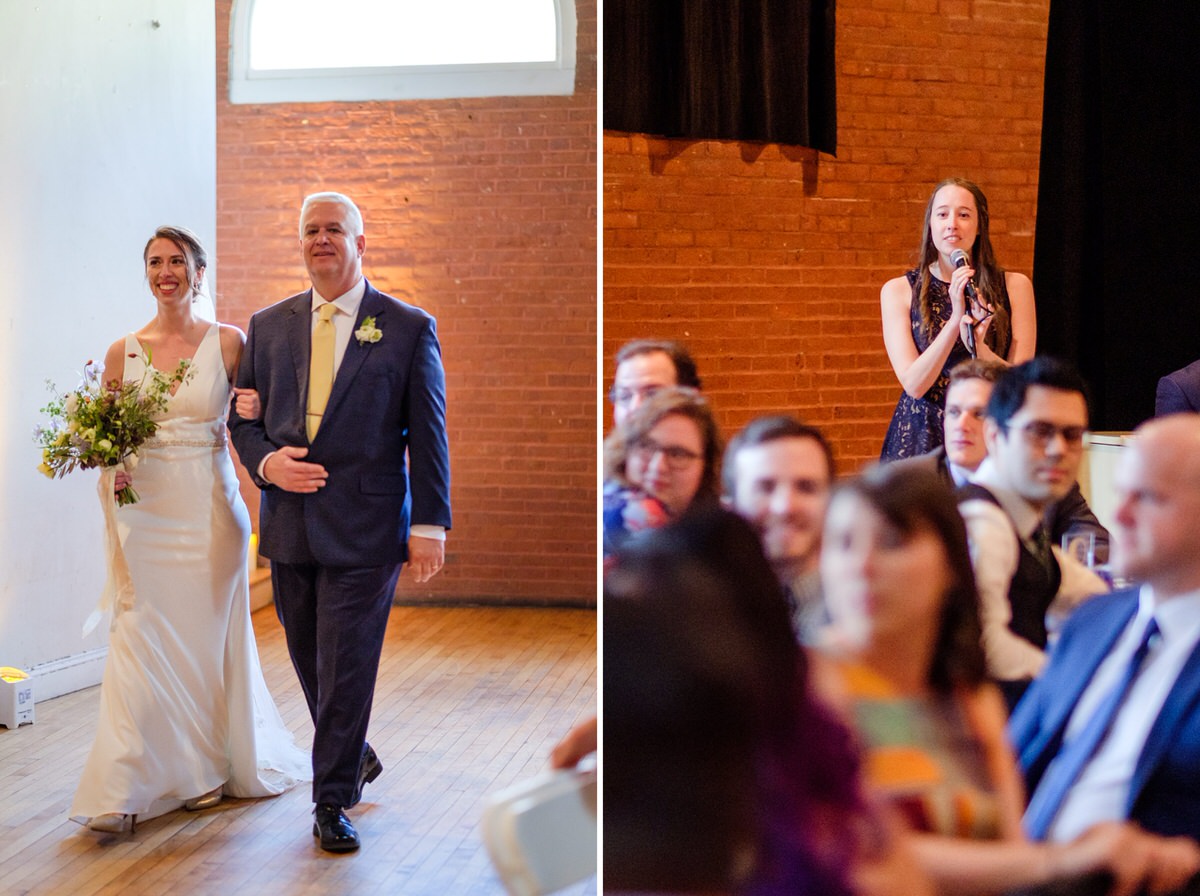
483	211
777	292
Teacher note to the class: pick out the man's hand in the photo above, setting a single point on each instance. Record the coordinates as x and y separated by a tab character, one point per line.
285	470
1139	862
426	556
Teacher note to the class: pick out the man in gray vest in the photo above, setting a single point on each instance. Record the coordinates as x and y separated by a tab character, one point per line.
1036	419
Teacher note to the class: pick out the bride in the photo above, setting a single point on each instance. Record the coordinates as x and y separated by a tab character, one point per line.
185	715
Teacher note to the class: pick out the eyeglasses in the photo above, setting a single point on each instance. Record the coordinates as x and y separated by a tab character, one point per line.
675	456
624	396
1040	433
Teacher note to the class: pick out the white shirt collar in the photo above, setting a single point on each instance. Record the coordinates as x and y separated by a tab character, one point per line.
1025	517
1178	616
348	302
960	475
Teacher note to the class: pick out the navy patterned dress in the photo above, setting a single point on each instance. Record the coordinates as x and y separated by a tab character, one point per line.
916	426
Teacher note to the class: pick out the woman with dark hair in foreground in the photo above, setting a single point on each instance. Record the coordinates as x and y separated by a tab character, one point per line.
722	773
905	641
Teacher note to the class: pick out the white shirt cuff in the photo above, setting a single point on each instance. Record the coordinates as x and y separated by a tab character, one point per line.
262	465
426	530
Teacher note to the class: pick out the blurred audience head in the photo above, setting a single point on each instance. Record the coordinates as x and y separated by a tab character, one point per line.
967	395
777	473
645	366
1036	419
721	772
1157	481
897	572
669	448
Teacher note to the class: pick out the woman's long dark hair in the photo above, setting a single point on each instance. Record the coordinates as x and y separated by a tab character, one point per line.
989	276
722	771
917	500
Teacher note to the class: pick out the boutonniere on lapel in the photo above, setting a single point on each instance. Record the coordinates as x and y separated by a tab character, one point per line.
368	332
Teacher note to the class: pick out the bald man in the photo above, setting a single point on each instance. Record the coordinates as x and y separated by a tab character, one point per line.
1145	768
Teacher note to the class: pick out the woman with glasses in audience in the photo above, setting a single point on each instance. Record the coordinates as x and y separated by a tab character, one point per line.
904	652
661	460
940	313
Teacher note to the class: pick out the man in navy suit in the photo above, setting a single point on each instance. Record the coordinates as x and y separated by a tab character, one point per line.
1178	391
341	480
1146	768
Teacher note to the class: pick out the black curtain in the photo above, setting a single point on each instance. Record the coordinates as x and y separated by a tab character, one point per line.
751	70
1117	220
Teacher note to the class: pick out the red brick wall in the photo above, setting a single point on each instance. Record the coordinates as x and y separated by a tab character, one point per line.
484	212
767	260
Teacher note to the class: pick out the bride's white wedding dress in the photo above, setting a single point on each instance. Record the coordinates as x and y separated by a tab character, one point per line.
183	706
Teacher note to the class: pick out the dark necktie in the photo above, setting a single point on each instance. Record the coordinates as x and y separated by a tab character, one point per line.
1040	547
1061	776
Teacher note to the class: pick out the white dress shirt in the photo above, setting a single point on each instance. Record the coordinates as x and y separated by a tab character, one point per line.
1102	789
992	533
960	475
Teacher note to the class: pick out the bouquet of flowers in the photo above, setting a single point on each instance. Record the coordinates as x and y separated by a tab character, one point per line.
102	424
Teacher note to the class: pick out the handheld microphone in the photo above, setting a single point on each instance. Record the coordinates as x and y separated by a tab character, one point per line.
959	257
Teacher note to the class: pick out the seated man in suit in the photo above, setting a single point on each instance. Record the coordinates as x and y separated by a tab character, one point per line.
1178	391
777	475
1036	417
964	449
1128	663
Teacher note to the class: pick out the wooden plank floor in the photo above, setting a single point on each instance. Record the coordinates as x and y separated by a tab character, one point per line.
469	700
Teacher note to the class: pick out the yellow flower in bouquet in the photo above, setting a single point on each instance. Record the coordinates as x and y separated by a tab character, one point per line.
102	424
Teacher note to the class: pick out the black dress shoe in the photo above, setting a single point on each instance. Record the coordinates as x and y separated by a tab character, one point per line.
334	828
368	771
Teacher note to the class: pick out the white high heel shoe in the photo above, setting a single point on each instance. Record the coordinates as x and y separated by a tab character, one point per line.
207	801
113	823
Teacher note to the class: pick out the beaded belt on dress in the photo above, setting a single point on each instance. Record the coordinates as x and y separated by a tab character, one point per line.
156	442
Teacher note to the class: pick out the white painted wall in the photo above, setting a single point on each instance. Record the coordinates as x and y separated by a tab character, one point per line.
107	129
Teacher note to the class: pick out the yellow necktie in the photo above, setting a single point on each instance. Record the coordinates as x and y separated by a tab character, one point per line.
320	368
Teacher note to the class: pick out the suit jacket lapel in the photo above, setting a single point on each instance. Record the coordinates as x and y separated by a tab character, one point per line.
1180	699
299	335
1097	648
372	305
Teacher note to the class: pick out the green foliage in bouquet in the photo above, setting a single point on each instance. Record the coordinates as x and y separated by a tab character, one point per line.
103	424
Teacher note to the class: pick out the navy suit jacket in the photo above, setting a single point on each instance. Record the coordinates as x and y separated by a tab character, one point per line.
1164	794
1178	391
387	406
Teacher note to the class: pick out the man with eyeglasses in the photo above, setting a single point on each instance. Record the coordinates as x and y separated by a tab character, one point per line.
1034	426
647	366
963	450
778	473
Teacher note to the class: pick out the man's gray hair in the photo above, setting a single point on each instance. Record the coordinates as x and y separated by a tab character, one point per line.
356	218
